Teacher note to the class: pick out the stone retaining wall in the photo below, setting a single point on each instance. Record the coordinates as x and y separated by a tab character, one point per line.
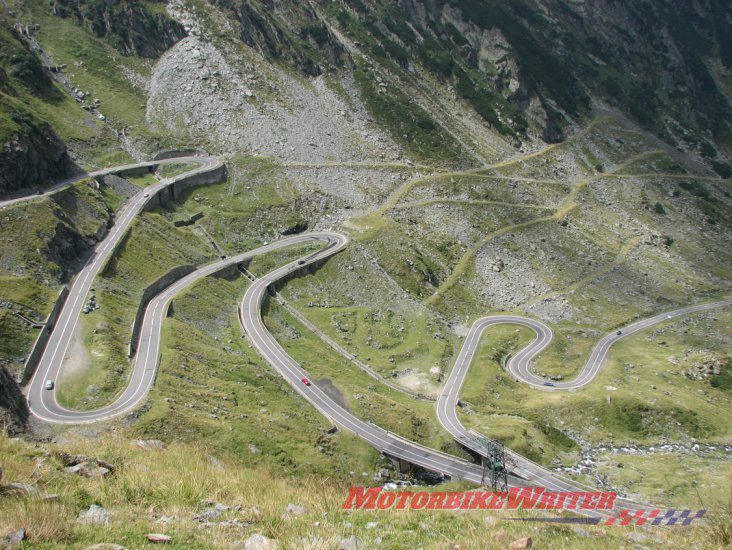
148	294
31	363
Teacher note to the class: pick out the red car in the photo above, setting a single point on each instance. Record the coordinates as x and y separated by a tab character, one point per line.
305	381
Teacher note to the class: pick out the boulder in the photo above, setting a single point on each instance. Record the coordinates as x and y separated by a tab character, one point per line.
256	542
524	542
25	489
158	538
88	469
151	444
95	515
213	513
14	537
294	510
351	543
84	465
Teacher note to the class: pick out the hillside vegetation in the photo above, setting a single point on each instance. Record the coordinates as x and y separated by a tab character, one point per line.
568	161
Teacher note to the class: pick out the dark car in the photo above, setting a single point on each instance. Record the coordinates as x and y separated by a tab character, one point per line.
548	384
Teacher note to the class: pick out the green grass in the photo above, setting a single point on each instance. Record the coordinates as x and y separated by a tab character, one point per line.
174	482
396	345
151	248
649	399
366	398
31	299
408	123
142	180
252	206
41	244
678	479
68	43
35	232
172	169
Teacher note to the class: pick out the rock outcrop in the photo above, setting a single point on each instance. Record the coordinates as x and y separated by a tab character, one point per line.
129	26
32	156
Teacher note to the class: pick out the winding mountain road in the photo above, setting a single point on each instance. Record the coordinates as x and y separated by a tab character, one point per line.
43	404
519	367
205	162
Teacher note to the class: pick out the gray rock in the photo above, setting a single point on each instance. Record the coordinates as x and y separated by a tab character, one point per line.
151	444
88	469
294	510
218	464
256	542
84	465
21	489
158	538
351	543
17	536
106	546
95	515
164	520
212	513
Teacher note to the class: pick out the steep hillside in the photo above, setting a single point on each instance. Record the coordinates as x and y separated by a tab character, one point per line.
32	152
568	161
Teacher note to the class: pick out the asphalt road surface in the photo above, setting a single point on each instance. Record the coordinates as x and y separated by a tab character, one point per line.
43	403
202	160
519	367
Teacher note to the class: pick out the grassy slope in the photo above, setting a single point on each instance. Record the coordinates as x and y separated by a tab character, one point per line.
174	482
151	248
211	385
38	247
652	401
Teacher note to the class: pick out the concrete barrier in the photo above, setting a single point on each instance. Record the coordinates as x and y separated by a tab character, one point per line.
188	221
162	155
31	363
170	193
148	294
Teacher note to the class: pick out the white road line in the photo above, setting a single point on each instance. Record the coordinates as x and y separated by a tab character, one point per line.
145	367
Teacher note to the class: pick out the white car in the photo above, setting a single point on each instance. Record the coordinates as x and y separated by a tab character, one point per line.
146	195
49	384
